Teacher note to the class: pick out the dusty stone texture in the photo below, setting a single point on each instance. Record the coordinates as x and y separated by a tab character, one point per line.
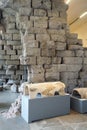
37	36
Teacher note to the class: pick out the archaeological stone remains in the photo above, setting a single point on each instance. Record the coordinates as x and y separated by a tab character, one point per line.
36	44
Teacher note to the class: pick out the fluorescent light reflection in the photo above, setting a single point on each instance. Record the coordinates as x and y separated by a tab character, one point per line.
82	15
68	1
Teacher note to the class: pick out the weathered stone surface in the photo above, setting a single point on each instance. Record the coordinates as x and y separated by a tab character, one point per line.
53	13
37	30
11	26
73	68
72	60
48	52
11	52
16	37
8	36
27	60
31	51
79	53
75	47
59	38
52	76
69	75
56	60
40	23
66	53
85	60
2	52
57	68
36	78
12	62
14	57
47	44
29	37
39	12
43	60
44	4
60	46
25	11
37	69
42	37
30	43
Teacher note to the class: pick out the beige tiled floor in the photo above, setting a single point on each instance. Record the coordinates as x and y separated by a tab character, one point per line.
72	121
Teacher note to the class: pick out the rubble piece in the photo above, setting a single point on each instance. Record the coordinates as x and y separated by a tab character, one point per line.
14	110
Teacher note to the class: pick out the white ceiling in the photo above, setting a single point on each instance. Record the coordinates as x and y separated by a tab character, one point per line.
76	8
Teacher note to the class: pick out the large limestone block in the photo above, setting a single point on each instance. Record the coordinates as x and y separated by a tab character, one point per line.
36	69
9	72
27	60
11	26
47	52
12	62
65	53
73	68
53	13
31	51
85	60
79	53
73	60
18	47
4	57
19	72
13	42
56	23
8	36
11	52
56	68
72	36
39	12
2	52
43	60
40	23
57	32
42	37
19	52
49	76
69	75
36	78
56	60
30	43
24	3
59	38
75	47
2	72
2	62
59	5
85	53
14	57
44	4
25	11
28	37
60	46
47	44
16	37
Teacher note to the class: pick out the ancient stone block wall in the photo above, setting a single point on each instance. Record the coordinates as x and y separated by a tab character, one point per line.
39	29
10	47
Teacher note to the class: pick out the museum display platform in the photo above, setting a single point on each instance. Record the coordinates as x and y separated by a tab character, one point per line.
78	104
44	107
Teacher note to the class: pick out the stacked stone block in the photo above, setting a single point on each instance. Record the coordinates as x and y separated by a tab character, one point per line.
10	50
38	33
